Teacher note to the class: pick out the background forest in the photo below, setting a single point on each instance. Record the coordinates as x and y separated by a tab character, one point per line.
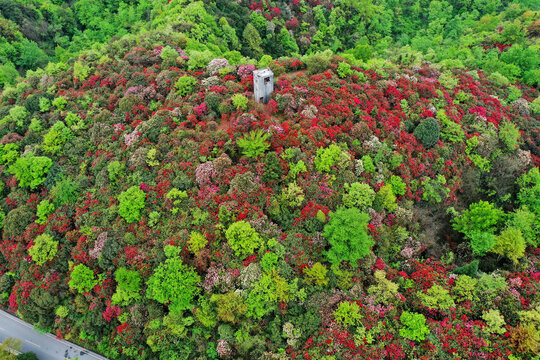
385	204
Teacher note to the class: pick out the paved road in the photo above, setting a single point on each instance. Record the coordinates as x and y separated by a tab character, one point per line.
45	346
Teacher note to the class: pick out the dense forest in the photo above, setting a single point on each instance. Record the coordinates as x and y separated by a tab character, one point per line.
384	204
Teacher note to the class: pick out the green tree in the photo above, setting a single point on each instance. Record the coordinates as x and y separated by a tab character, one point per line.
128	288
428	132
359	195
509	135
347	234
254	144
30	170
185	85
132	201
385	199
437	297
348	314
82	279
44	209
230	306
252	42
480	217
414	326
44	249
510	243
242	238
481	242
173	283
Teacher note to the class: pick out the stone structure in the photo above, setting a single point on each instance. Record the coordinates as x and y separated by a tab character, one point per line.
263	85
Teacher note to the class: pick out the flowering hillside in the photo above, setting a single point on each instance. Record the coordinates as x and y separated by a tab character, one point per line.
151	209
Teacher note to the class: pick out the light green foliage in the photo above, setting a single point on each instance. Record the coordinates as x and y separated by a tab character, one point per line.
230	307
267	292
529	190
242	238
448	80
292	195
205	313
535	106
240	101
326	158
358	195
44	104
384	291
481	242
347	234
82	279
465	288
528	223
35	125
80	71
316	275
57	136
480	217
128	288
62	311
513	93
385	199
74	121
495	322
44	208
297	168
197	242
263	296
414	326
60	102
434	190
168	52
509	135
8	153
18	115
490	287
64	192
132	201
367	161
31	170
428	132
254	144
510	243
174	283
153	218
437	297
116	171
498	79
176	196
269	261
151	157
171	250
450	131
44	249
185	85
344	69
398	185
264	61
348	314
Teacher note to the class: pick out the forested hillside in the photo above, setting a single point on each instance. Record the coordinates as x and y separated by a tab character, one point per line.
385	203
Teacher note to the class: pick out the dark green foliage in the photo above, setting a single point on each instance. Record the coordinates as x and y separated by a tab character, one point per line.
27	356
428	132
470	269
16	221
